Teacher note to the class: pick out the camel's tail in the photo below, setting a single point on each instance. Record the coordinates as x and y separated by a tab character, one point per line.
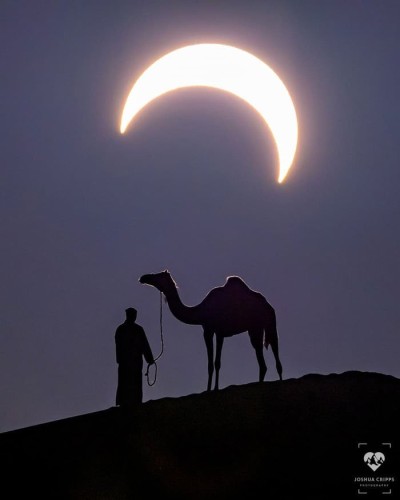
271	338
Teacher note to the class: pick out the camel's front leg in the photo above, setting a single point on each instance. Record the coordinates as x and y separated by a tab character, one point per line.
208	338
256	339
261	363
220	343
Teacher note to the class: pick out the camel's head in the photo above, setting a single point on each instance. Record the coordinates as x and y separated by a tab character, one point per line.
162	281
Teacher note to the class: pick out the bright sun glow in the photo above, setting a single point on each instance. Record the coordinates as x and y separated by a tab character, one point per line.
225	68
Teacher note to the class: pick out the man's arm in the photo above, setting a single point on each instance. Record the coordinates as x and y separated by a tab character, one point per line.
148	355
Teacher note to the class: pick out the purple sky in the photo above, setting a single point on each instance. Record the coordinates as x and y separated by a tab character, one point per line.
192	188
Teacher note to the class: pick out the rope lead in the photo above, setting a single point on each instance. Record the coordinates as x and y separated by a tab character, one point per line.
162	348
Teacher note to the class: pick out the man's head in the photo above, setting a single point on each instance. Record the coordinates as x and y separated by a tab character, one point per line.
131	314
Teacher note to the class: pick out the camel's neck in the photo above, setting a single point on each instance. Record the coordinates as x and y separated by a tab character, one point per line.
186	314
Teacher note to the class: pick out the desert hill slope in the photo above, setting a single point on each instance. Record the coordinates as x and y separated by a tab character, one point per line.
300	437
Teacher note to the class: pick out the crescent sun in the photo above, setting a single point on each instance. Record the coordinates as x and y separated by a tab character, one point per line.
226	68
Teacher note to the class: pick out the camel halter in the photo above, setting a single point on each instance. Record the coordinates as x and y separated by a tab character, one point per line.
162	347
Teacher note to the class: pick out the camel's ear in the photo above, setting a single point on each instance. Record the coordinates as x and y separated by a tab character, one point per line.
166	271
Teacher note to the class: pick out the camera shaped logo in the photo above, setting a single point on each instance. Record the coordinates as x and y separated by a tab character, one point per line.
374	459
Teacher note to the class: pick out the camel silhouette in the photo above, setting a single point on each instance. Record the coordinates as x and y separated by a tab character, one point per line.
225	311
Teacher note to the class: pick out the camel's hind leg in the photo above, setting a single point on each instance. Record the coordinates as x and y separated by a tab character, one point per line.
275	350
256	338
208	338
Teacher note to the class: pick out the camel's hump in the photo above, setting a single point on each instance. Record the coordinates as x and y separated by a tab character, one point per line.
236	283
234	287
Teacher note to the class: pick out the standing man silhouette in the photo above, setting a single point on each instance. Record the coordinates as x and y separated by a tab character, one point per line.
131	346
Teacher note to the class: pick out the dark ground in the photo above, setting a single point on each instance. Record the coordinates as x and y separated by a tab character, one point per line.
290	439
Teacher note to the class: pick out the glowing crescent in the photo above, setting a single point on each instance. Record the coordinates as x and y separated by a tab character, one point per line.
225	68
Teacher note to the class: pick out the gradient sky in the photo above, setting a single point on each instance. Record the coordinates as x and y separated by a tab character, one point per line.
192	187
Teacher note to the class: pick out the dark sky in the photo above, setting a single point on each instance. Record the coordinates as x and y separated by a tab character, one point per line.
192	188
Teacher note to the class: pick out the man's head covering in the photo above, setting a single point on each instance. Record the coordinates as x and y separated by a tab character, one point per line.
131	312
